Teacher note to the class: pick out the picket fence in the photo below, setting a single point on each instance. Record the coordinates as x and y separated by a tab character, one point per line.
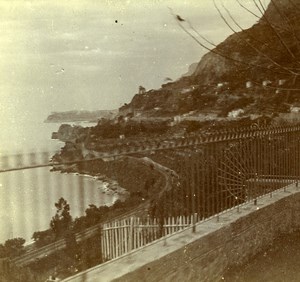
123	236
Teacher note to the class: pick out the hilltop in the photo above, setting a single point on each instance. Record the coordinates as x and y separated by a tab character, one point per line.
248	73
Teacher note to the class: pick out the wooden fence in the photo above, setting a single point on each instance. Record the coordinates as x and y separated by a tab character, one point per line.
121	237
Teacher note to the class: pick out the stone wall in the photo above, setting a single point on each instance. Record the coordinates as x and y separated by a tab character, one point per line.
233	238
207	258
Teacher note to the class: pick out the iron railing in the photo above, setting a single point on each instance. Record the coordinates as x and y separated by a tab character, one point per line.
203	175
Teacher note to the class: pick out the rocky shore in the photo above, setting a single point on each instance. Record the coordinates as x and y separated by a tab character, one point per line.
124	176
109	187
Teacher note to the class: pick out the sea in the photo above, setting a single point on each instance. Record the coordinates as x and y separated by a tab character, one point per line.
28	196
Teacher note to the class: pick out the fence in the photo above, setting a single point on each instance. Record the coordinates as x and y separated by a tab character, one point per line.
213	174
219	175
121	237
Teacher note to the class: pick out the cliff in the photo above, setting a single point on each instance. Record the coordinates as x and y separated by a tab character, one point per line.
192	68
258	52
252	68
70	133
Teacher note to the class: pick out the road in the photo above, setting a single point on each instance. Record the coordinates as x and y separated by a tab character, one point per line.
39	253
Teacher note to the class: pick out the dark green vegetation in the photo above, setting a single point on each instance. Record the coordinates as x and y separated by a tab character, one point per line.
77	256
63	226
12	247
107	129
214	100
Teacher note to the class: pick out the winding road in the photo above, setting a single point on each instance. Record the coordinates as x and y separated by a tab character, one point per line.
39	253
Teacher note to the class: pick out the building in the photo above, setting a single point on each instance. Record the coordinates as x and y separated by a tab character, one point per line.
249	84
281	82
266	83
295	109
142	90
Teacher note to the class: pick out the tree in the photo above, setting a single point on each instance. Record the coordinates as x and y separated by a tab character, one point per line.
71	244
3	251
93	215
62	220
43	237
14	247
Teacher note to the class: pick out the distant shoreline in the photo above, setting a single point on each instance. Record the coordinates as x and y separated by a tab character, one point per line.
80	116
60	121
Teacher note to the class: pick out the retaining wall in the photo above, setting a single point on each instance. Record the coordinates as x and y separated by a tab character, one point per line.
231	239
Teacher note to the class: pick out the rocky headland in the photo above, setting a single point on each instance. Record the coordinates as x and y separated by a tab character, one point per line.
78	116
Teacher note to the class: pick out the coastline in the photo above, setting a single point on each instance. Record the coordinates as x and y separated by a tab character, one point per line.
108	186
130	174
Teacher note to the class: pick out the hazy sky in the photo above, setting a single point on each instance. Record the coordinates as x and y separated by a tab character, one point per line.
64	55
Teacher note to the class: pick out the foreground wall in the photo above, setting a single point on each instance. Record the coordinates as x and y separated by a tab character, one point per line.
233	238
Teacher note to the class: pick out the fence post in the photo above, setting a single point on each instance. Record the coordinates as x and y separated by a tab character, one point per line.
101	242
164	233
130	237
194	216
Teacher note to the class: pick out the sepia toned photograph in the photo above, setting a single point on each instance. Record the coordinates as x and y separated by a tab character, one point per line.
149	140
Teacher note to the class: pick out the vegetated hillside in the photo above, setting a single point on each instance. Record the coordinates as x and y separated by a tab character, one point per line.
251	70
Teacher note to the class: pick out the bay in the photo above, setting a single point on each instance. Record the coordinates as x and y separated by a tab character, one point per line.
27	197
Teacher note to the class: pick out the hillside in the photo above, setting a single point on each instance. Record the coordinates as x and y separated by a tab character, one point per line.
257	51
251	70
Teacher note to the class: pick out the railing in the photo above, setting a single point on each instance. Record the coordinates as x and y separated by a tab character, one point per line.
121	237
203	176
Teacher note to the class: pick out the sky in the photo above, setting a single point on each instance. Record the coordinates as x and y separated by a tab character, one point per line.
65	55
